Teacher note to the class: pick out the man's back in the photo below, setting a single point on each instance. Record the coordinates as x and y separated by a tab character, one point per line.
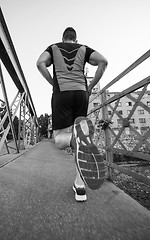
69	60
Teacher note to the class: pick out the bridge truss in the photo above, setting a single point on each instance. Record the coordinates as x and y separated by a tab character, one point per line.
27	134
136	144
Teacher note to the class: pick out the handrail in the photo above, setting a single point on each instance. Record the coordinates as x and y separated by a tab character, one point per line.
134	87
125	72
129	69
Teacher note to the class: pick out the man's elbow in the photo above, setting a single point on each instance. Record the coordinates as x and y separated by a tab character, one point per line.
39	64
106	62
103	63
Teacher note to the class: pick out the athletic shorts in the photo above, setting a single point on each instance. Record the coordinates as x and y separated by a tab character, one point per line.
67	106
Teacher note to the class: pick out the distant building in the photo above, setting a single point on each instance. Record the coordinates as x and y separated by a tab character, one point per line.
140	119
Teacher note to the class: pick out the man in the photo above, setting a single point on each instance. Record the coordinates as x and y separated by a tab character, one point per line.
50	130
70	103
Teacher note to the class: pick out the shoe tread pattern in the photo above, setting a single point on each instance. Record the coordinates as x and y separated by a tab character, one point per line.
89	161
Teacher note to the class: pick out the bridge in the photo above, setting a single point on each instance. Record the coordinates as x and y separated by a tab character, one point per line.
36	196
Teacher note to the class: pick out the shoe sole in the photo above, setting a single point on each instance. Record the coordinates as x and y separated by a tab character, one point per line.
88	159
79	198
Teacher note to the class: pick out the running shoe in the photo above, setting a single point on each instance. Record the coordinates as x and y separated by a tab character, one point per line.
87	157
80	193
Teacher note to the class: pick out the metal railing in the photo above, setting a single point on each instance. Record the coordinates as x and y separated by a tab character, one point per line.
22	103
135	143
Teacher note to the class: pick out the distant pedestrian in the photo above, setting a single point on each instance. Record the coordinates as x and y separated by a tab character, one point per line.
69	104
50	129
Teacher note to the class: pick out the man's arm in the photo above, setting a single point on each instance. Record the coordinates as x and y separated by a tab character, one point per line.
96	59
43	62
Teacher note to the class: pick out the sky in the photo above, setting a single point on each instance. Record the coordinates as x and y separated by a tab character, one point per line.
118	29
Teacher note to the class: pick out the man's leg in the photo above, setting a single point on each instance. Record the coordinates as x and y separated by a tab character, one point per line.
63	138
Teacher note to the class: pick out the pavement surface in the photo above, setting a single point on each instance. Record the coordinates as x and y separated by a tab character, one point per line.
37	202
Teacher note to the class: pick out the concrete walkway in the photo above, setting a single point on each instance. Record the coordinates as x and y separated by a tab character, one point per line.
37	202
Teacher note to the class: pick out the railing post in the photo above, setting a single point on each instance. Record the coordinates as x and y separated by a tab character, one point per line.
109	154
21	125
32	140
8	110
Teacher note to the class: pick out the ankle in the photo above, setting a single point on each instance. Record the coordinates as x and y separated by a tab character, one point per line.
79	184
72	142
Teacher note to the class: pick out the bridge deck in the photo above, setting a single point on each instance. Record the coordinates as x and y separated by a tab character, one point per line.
37	202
